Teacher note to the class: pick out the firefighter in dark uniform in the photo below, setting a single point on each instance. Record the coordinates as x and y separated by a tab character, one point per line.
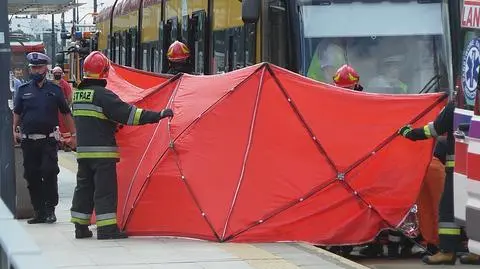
35	120
178	56
97	111
449	232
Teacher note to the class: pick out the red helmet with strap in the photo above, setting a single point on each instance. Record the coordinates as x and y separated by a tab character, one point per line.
178	52
96	66
346	77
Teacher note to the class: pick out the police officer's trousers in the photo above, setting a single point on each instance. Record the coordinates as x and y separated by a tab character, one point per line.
40	162
449	231
96	187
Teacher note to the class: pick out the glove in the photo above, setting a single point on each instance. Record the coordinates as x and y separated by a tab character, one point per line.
405	130
166	113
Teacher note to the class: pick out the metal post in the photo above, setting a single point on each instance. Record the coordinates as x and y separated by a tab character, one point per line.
54	39
94	11
78	15
7	163
64	42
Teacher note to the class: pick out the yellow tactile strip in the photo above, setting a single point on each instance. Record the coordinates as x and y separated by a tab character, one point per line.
333	258
257	257
67	160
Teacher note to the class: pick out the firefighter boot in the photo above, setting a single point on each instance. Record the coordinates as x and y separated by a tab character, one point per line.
82	231
470	258
38	217
448	258
50	217
110	232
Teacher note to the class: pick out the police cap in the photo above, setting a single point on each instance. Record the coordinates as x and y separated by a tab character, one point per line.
37	59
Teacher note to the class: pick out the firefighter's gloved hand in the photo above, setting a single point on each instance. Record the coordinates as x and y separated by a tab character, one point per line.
166	113
405	130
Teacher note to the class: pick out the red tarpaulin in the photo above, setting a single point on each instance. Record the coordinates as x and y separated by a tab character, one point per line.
131	85
262	154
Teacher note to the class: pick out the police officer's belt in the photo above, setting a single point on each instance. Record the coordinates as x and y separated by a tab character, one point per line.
37	136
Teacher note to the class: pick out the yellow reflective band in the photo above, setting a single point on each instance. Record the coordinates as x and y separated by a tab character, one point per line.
80	221
87	155
106	222
426	131
89	113
85	96
450	164
449	231
136	119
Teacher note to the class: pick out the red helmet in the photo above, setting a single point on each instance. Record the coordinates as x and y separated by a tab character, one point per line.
346	77
178	52
96	66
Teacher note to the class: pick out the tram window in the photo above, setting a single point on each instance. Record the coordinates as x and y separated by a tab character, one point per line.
107	50
219	50
185	29
145	61
123	52
117	48
250	44
198	24
163	43
128	48
156	60
239	48
276	33
133	46
230	51
173	23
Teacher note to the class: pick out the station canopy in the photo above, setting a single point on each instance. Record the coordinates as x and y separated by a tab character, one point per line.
40	7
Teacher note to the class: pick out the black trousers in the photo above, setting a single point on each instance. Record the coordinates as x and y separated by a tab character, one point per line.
449	231
96	187
40	162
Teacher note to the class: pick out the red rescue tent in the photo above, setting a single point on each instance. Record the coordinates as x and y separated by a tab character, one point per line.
262	154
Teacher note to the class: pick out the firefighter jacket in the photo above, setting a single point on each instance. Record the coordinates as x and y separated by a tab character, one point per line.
97	112
443	124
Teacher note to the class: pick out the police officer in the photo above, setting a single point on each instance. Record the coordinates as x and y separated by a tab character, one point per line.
35	112
96	111
449	231
178	56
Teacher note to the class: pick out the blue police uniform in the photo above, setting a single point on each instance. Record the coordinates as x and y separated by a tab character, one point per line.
38	110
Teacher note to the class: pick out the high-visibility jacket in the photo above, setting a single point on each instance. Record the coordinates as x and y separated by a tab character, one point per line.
97	112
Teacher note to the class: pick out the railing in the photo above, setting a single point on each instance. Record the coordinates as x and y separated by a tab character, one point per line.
17	248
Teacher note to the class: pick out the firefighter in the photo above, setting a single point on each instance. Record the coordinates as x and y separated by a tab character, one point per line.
178	56
449	231
346	77
97	111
